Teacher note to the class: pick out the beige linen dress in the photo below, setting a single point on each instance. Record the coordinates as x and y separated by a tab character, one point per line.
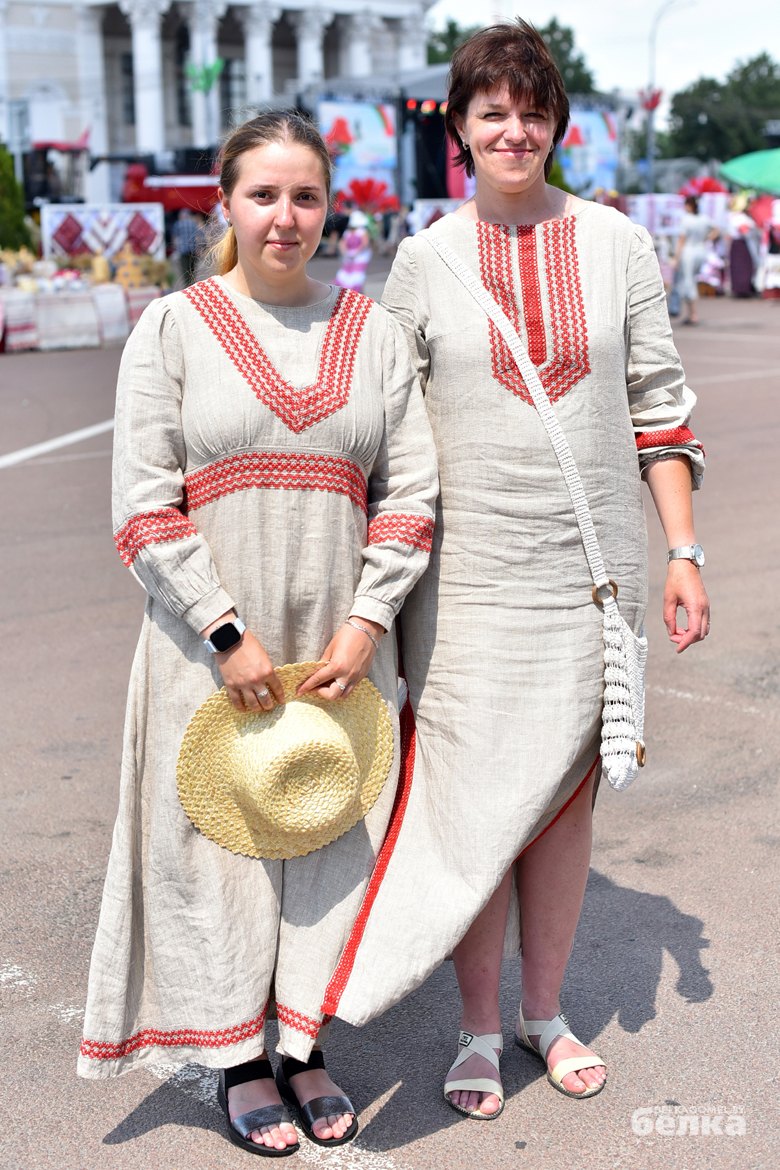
278	460
502	644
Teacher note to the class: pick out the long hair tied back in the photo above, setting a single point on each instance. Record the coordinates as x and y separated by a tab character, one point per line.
272	126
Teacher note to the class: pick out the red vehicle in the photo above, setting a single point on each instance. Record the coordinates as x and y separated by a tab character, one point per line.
196	192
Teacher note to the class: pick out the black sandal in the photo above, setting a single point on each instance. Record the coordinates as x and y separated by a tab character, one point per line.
240	1128
318	1107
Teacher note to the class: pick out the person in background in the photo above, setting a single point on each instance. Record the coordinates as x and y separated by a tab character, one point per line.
744	243
690	254
769	266
356	250
186	237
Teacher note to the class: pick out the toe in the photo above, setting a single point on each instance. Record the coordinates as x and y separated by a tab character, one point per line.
277	1138
490	1104
322	1129
345	1121
593	1077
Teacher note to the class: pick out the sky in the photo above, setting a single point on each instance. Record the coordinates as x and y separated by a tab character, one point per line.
694	38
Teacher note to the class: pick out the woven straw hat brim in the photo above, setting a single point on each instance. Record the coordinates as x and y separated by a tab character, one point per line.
312	768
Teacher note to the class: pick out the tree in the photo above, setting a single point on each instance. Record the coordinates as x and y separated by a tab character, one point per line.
556	177
720	120
577	78
13	230
443	42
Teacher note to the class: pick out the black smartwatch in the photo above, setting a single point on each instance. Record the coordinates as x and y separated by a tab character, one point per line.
221	639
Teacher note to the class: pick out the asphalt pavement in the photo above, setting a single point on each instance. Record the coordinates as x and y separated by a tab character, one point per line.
674	974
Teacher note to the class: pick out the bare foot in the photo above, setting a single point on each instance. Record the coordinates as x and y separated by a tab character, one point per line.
256	1095
476	1067
315	1082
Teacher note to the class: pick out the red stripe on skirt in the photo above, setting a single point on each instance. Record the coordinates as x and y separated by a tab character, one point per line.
335	988
561	811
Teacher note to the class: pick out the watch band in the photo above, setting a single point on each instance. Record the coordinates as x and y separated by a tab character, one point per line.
686	552
233	633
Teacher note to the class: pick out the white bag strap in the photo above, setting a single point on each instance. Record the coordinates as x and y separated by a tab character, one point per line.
544	409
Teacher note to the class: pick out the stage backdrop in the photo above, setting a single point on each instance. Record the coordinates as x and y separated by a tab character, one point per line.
361	137
589	152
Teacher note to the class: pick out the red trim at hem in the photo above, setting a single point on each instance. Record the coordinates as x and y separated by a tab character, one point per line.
338	982
173	1038
297	1020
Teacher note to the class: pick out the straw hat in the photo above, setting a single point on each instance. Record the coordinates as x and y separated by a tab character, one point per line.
282	783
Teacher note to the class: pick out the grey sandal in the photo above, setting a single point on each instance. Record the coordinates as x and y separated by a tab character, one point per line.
239	1128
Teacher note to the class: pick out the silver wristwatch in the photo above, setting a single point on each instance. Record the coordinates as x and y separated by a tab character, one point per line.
687	552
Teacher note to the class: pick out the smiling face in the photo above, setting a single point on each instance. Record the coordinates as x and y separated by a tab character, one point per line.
508	141
277	208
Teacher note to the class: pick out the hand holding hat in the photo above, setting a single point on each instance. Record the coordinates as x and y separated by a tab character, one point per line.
284	782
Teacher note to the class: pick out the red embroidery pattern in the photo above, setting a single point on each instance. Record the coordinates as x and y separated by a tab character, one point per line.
341	975
416	531
562	360
293	1019
173	1038
276	469
676	437
297	408
151	528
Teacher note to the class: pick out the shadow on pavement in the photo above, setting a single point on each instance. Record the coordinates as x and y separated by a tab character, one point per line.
394	1068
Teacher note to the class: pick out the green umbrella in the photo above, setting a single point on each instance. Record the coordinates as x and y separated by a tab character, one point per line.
759	170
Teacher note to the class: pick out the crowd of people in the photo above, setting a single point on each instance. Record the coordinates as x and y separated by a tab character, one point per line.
319	494
739	257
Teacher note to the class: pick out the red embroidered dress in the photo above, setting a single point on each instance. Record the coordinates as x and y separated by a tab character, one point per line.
502	645
278	460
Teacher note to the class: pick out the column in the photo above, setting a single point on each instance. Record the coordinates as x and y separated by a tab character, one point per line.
258	21
5	128
92	98
358	30
412	53
144	17
310	26
204	18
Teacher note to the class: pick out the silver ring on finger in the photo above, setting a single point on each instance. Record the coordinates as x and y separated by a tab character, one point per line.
262	694
342	686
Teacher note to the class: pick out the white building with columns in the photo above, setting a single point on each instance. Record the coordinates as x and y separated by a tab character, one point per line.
124	70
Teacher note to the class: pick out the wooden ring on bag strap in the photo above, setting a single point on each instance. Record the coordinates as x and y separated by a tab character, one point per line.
613	588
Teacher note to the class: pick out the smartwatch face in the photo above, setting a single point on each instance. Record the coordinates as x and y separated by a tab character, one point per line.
225	637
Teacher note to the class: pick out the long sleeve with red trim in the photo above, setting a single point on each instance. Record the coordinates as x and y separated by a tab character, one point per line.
402	490
152	531
659	401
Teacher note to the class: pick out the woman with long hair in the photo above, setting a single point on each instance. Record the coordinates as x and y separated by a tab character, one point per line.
274	477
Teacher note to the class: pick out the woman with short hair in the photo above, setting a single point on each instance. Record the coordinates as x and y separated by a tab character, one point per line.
502	642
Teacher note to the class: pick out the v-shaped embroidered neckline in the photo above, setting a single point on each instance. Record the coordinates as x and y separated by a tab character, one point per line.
297	407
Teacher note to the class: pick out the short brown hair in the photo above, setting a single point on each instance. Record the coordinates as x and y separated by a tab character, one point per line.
512	54
272	126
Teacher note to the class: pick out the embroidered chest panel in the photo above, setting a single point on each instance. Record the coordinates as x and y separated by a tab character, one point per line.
297	407
509	264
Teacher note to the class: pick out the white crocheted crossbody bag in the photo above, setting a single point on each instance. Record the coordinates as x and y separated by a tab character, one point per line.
625	653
